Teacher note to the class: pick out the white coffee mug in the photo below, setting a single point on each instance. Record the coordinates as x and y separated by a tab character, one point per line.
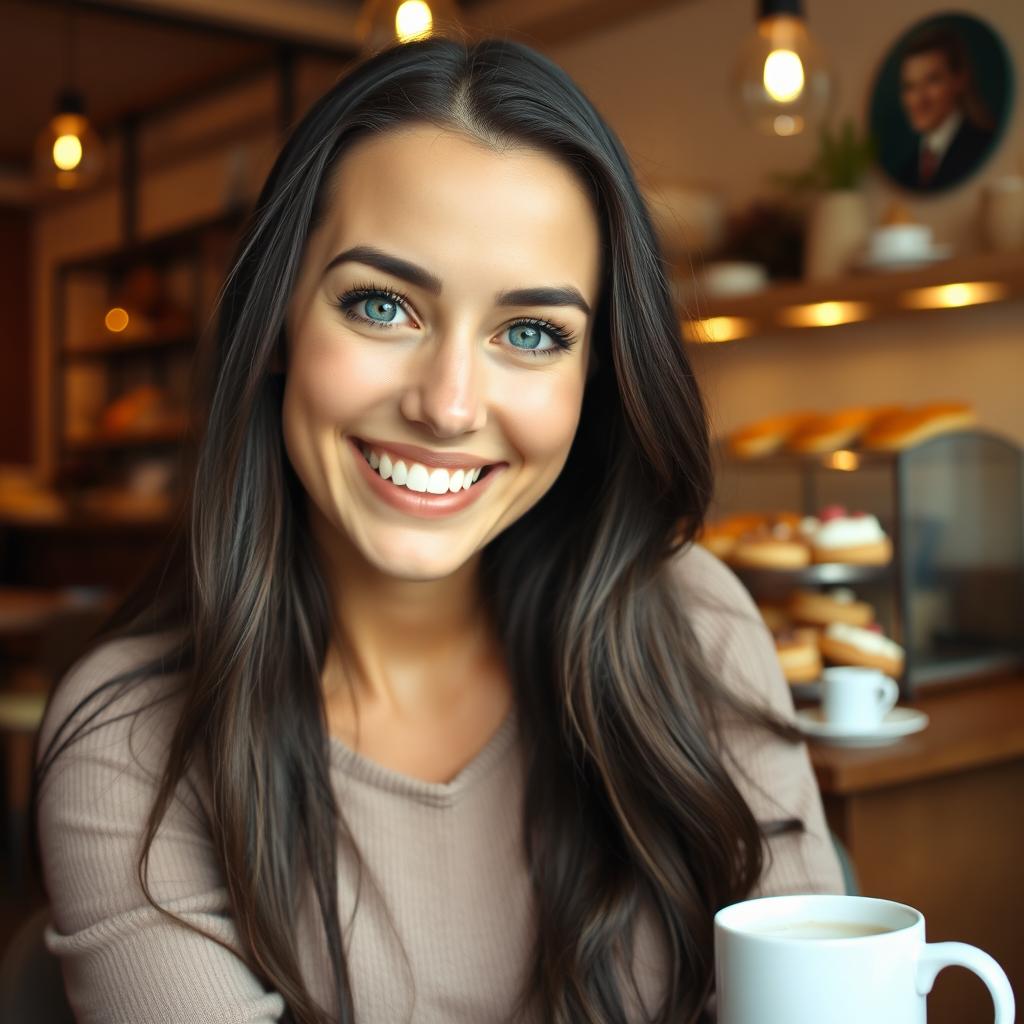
857	697
836	960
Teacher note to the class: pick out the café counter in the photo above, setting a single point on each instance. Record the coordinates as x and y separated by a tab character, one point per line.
936	820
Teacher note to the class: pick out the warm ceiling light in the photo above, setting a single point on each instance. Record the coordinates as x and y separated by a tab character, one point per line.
962	293
781	78
382	23
843	459
717	328
68	152
824	314
413	20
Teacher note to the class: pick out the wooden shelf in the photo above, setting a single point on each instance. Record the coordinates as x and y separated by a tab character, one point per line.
115	346
171	431
820	575
799	306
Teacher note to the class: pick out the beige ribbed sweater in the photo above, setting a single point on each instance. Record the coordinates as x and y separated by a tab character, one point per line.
442	858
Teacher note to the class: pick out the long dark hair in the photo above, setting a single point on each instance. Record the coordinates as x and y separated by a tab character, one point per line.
626	797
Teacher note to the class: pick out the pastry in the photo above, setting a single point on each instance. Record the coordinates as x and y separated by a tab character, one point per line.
776	544
914	426
765	436
837	605
720	537
843	644
799	655
855	539
836	430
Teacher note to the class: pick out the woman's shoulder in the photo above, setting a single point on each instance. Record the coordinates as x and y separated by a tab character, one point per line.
707	585
106	695
727	625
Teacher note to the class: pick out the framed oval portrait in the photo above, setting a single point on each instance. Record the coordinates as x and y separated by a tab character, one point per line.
941	101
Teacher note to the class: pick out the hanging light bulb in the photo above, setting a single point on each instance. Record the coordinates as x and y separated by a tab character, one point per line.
68	152
781	77
382	23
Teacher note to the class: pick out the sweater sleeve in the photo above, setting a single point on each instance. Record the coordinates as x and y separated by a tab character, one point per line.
773	774
123	961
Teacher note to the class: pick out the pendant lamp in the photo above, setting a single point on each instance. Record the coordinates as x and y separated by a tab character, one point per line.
381	23
68	152
782	79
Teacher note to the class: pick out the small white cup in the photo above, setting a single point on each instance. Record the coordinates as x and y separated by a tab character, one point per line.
856	697
816	959
900	241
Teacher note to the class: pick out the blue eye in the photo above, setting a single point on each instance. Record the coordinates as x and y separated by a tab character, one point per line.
381	305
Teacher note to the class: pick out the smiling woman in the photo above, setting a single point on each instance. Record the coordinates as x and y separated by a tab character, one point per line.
448	719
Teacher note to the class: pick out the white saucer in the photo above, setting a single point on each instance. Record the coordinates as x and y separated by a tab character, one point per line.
897	723
939	251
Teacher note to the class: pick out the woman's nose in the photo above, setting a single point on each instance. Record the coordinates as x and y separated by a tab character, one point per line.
446	393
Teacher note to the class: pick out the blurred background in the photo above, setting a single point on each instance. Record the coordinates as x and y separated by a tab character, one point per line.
839	193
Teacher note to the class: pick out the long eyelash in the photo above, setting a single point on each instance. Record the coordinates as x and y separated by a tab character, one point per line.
562	336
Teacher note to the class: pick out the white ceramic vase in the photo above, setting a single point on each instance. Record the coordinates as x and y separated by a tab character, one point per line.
836	234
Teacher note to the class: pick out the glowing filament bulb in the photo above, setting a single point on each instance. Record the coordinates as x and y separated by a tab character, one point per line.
67	152
783	75
413	20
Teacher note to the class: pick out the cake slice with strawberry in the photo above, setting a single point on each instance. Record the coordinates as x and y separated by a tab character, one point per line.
854	538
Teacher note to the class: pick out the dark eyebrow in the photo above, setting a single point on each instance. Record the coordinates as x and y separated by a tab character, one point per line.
565	295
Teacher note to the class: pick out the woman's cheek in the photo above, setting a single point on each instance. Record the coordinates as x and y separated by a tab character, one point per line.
340	376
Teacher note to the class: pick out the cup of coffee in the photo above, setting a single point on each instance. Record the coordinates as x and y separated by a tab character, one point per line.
818	959
856	697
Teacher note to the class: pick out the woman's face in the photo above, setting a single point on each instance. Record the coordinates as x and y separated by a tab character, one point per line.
406	338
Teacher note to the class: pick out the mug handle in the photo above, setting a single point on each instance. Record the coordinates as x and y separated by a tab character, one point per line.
887	694
936	955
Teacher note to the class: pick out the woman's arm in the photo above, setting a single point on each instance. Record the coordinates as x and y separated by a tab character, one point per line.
777	780
123	961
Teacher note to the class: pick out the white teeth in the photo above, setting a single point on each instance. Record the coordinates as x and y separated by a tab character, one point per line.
418	477
438	482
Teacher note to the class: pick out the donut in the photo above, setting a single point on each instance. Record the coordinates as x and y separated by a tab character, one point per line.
765	436
836	430
720	537
775	545
799	655
837	605
914	426
855	539
843	644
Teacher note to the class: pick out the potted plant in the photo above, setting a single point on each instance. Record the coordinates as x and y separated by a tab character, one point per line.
837	226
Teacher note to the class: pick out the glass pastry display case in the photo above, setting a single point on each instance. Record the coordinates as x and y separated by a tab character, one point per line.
953	593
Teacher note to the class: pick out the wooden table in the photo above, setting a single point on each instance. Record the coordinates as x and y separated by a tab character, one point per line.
936	820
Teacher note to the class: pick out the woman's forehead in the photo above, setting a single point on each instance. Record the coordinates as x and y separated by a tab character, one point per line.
457	207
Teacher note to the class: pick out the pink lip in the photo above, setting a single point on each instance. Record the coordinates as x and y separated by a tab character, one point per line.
442	460
427	506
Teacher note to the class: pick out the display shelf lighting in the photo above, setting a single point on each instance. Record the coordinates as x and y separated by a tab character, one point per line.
824	314
960	293
844	460
717	328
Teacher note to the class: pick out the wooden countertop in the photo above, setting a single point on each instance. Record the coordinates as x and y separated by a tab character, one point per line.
972	724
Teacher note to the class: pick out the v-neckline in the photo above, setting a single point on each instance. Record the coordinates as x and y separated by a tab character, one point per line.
353	763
